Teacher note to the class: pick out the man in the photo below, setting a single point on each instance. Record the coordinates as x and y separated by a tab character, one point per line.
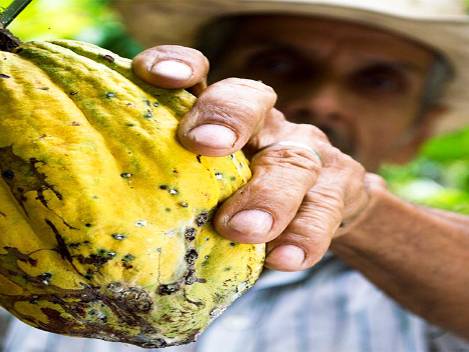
377	79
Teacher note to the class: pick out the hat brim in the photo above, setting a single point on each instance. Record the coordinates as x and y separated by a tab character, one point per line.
155	22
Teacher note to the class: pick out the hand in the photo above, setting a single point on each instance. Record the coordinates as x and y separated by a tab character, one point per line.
295	201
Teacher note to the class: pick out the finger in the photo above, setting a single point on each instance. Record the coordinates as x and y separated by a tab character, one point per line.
172	66
374	181
255	214
307	238
225	116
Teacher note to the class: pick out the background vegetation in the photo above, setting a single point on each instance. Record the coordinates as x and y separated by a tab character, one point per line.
438	177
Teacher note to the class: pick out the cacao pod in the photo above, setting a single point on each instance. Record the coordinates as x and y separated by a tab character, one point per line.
104	217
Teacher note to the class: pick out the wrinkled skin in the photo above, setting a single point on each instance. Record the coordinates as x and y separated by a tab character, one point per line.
364	88
339	83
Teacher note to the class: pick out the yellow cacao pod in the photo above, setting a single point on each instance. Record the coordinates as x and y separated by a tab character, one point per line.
104	216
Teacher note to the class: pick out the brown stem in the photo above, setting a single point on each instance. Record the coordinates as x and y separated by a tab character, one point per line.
8	42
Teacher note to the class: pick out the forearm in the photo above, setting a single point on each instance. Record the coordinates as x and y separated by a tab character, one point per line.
418	256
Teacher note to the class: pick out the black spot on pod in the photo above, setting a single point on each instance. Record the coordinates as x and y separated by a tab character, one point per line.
118	236
106	254
148	114
173	191
126	175
190	278
34	299
183	204
128	257
45	278
155	343
189	233
156	104
201	219
108	58
163	187
191	256
8	175
199	158
126	261
74	245
134	298
73	93
168	289
2	75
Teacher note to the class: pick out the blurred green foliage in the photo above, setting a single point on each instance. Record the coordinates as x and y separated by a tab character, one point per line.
438	177
88	20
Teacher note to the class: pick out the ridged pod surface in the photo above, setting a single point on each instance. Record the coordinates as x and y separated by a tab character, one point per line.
104	217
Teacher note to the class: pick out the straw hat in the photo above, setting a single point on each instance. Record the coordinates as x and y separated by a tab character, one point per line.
439	24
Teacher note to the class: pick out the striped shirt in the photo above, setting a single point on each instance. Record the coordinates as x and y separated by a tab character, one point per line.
329	308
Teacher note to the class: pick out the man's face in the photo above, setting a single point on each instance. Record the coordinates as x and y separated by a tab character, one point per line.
361	86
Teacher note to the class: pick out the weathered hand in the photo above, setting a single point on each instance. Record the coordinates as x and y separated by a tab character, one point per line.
295	201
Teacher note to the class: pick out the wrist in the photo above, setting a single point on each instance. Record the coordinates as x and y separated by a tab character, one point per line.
376	191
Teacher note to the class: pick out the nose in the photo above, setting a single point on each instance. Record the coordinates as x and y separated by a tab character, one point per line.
326	107
318	103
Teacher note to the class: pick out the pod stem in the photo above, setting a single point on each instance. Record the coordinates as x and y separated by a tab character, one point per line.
8	42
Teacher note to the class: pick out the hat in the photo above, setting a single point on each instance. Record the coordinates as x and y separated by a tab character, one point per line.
438	24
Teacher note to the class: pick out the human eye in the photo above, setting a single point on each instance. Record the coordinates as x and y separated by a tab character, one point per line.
380	80
277	63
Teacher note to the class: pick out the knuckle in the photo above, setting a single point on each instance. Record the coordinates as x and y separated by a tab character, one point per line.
299	159
249	83
226	112
357	170
360	169
332	156
324	203
313	132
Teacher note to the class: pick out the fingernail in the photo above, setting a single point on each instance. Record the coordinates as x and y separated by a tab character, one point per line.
252	222
172	69
213	136
287	255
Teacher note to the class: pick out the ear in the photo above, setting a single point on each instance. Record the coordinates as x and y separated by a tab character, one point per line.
409	144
